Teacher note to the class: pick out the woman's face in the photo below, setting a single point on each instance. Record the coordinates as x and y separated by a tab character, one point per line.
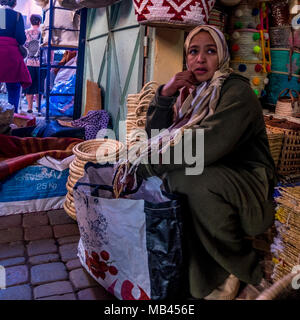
202	57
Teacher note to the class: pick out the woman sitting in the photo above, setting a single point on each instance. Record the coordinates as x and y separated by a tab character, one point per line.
232	198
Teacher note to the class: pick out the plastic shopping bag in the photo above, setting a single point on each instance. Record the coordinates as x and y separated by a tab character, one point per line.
132	246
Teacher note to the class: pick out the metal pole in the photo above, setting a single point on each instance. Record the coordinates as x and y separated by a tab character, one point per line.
80	64
49	60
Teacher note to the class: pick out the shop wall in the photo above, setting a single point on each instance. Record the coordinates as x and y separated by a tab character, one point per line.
124	56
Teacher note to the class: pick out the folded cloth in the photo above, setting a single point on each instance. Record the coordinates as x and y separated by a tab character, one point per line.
17	153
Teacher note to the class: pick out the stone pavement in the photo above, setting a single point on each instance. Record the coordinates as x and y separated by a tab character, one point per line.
39	253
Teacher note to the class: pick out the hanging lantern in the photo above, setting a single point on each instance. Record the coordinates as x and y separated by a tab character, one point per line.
266	36
268	68
266	81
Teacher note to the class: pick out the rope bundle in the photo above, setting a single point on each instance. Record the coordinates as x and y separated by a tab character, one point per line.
97	150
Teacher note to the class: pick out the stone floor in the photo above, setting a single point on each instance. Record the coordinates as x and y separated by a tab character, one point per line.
39	253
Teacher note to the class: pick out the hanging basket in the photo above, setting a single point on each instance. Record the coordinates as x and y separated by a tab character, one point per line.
183	14
287	103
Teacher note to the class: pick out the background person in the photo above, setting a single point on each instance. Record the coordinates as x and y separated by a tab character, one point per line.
13	70
33	62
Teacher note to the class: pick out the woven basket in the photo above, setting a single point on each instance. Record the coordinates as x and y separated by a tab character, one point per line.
287	104
275	143
289	161
182	14
218	19
281	61
277	82
279	37
97	150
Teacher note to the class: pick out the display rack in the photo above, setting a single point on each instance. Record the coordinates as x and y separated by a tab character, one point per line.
48	48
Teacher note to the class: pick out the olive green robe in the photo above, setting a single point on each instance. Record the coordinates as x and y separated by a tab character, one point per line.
232	198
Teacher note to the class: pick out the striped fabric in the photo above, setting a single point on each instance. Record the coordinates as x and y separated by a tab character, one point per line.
17	153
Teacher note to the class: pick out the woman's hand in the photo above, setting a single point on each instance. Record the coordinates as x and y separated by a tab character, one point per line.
181	79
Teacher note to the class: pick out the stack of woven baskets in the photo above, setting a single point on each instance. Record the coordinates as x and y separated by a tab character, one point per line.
284	54
97	151
286	245
289	159
247	45
137	106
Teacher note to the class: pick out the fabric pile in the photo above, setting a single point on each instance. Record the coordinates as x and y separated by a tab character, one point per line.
17	153
93	122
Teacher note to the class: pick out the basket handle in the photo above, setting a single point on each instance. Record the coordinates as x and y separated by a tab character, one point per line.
149	84
284	91
289	93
